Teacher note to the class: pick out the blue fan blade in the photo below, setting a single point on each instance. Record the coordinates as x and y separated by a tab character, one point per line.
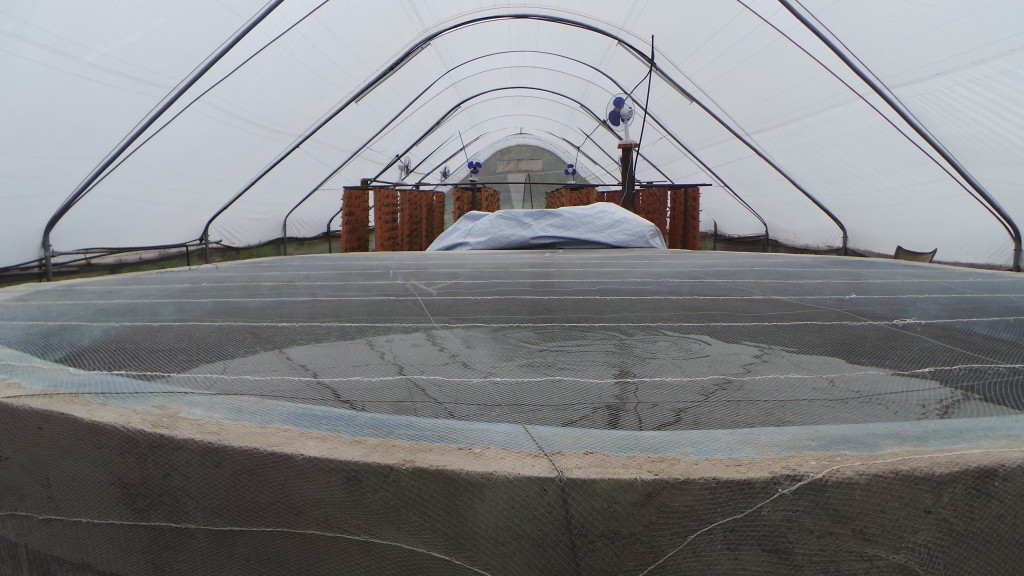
566	172
618	102
614	117
570	166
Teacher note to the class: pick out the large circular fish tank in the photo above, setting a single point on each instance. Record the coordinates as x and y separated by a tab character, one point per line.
527	412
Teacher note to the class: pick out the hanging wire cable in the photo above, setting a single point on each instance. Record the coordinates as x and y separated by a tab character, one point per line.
461	141
647	101
577	161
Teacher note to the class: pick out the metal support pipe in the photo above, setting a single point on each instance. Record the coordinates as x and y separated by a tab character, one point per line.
459	104
409	54
898	108
593	116
617	84
585	155
448	159
144	125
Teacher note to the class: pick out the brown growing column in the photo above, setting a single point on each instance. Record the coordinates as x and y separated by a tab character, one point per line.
462	202
355	219
489	199
414	218
684	218
652	204
691	228
582	195
554	199
677	208
436	216
387	234
571	197
614	196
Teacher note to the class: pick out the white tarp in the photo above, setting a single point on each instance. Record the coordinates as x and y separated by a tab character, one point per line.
600	225
78	77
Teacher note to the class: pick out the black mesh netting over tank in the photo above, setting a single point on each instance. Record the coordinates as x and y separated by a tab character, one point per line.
568	412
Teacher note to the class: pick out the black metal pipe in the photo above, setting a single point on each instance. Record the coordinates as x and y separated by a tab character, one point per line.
593	116
148	121
449	158
585	155
405	57
628	178
1015	233
186	107
424	91
458	105
664	129
554	136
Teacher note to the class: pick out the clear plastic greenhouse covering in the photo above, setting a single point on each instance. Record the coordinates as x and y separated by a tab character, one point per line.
871	124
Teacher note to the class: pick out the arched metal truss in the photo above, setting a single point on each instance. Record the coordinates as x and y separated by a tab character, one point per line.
921	131
416	48
411	53
619	87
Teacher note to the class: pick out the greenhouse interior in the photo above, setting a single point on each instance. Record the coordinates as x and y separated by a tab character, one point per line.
511	288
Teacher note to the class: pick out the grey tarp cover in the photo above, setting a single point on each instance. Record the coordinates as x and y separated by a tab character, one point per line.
601	225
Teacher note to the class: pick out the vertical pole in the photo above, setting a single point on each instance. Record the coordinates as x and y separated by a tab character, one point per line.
331	250
529	184
628	179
